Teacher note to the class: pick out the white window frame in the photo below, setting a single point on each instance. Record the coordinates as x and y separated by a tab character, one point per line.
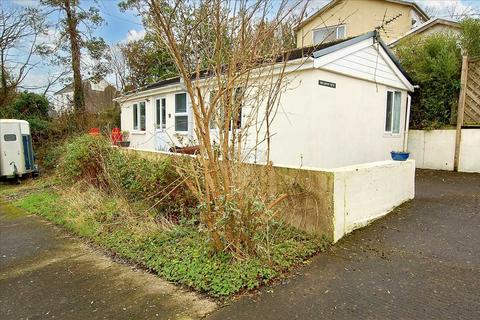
330	27
163	118
186	113
138	114
391	132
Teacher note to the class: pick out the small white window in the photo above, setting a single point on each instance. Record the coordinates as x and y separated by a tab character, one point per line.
161	113
181	114
235	109
328	34
393	110
139	116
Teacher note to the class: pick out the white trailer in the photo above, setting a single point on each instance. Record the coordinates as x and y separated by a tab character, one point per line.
16	151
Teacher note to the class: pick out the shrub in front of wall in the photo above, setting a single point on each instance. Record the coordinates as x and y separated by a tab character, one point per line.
153	180
85	158
434	63
92	159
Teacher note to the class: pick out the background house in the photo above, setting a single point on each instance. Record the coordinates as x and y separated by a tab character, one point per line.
347	103
435	25
98	97
349	18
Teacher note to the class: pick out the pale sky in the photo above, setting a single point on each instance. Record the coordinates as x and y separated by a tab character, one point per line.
125	26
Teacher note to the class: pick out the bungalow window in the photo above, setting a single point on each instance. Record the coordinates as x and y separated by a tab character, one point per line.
235	109
181	115
161	113
393	109
327	34
139	116
135	116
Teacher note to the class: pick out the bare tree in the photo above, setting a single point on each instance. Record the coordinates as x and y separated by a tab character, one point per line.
20	30
119	67
230	56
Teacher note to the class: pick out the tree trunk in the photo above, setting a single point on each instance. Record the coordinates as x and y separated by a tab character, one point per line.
78	95
4	88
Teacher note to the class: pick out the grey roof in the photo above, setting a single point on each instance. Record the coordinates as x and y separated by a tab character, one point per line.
315	51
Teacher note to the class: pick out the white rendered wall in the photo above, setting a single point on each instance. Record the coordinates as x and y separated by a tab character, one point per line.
324	127
315	126
146	139
432	149
367	192
469	160
435	149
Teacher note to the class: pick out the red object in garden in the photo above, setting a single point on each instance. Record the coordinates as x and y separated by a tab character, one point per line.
94	132
116	136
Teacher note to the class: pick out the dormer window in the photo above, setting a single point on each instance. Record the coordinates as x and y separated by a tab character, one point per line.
327	34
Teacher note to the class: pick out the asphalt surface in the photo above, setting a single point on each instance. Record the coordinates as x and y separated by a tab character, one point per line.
422	261
44	274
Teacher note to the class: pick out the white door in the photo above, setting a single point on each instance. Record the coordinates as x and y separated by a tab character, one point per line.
161	137
11	157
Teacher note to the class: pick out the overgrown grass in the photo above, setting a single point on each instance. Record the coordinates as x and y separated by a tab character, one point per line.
178	252
139	210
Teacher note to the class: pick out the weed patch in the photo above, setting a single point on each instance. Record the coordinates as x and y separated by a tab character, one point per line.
140	210
178	252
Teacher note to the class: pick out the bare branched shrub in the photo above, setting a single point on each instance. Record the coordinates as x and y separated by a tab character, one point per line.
232	60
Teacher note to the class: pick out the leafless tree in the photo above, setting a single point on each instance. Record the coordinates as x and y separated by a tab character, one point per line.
118	66
20	30
233	64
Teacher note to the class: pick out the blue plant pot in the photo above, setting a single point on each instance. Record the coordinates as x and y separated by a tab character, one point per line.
399	155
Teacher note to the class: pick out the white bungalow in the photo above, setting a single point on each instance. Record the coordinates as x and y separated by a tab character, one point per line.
348	104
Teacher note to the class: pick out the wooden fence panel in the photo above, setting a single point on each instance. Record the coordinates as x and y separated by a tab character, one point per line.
472	93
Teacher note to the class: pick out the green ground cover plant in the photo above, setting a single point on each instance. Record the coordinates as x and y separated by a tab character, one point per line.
105	196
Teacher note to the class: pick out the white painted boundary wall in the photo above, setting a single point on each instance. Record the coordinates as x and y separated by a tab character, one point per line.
341	199
435	149
367	192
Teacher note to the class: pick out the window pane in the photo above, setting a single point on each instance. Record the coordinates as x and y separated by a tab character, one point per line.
157	113
319	36
326	34
397	107
237	110
164	113
142	116
135	117
331	34
10	137
181	123
180	102
388	116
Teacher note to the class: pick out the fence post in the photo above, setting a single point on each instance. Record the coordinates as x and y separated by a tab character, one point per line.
460	111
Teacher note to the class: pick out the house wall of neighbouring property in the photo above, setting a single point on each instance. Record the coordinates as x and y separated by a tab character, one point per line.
441	28
435	149
98	97
361	16
315	126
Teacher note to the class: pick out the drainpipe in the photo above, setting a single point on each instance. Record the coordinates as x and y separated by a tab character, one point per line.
407	124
